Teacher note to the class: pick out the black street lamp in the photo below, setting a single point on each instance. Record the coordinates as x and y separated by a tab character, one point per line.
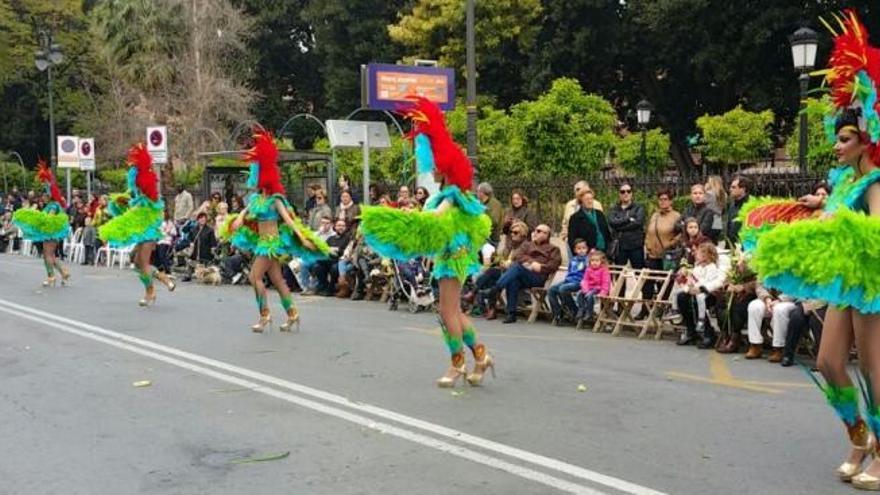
804	42
471	98
643	116
45	58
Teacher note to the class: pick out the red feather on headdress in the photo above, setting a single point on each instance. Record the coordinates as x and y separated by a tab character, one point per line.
265	154
146	179
449	158
44	175
850	55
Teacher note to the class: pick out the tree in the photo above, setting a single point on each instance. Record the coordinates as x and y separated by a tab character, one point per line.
736	137
628	151
505	29
564	131
497	158
349	33
820	146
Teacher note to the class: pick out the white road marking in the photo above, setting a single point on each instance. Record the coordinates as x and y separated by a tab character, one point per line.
137	345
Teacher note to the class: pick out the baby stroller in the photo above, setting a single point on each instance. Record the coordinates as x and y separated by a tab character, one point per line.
411	282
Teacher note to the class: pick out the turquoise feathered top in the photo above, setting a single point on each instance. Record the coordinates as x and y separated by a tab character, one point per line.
136	217
50	224
262	208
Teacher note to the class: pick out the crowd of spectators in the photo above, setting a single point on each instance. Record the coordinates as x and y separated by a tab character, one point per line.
522	252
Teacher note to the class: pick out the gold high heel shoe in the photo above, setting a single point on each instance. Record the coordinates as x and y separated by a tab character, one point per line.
265	322
149	298
475	378
166	281
49	282
65	276
848	470
292	319
452	375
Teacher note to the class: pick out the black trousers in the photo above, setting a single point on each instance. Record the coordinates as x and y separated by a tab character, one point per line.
799	322
326	272
650	289
733	322
687	305
635	257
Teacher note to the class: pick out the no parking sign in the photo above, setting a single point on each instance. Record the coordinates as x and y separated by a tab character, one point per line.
87	154
157	143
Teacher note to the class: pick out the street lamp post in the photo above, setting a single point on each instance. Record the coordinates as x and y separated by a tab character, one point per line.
643	116
471	98
45	58
804	42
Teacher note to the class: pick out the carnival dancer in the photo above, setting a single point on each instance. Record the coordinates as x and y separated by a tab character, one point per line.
269	229
137	220
835	257
49	226
452	229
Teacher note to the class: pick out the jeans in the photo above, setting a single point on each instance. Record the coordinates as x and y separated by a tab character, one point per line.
163	257
515	278
635	256
586	302
560	295
483	284
306	281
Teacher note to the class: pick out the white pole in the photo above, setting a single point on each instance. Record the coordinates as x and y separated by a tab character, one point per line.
366	165
67	173
88	184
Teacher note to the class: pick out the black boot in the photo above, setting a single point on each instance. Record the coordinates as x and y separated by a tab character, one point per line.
688	337
708	341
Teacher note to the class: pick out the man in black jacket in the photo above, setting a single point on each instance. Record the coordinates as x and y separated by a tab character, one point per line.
627	222
739	194
203	240
589	224
327	271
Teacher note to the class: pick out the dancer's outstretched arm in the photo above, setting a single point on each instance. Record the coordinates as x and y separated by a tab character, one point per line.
285	215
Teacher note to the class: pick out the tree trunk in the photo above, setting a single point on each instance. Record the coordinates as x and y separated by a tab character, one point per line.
682	155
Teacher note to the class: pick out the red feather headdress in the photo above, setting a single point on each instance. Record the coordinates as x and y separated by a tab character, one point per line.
265	154
449	159
44	175
146	179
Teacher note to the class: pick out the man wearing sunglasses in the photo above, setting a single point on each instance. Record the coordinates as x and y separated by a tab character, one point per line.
627	222
537	260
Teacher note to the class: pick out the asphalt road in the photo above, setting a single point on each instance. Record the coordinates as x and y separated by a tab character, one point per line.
351	398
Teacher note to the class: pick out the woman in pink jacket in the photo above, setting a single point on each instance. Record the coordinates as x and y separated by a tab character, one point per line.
596	282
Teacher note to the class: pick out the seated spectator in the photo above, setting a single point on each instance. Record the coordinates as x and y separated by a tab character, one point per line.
365	260
220	218
732	309
574	205
806	315
165	246
596	282
627	222
307	280
503	258
327	271
8	232
347	210
89	241
699	210
519	210
560	295
589	224
697	291
402	195
693	238
203	240
537	260
778	307
385	200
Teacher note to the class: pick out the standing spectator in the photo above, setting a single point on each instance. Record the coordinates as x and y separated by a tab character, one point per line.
589	224
701	211
716	198
236	204
327	270
537	260
486	194
739	194
519	210
101	214
421	195
574	205
89	240
320	210
560	295
627	222
164	246
183	204
203	240
347	210
310	197
222	214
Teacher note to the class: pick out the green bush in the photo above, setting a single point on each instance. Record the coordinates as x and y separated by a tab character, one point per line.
737	136
628	151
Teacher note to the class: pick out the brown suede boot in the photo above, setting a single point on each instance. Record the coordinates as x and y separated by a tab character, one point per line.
490	313
775	355
343	289
731	346
755	351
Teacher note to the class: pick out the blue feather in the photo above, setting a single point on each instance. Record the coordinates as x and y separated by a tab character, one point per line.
253	175
424	154
833	293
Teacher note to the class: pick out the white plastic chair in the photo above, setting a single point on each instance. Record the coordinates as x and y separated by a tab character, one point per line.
121	256
108	255
76	250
